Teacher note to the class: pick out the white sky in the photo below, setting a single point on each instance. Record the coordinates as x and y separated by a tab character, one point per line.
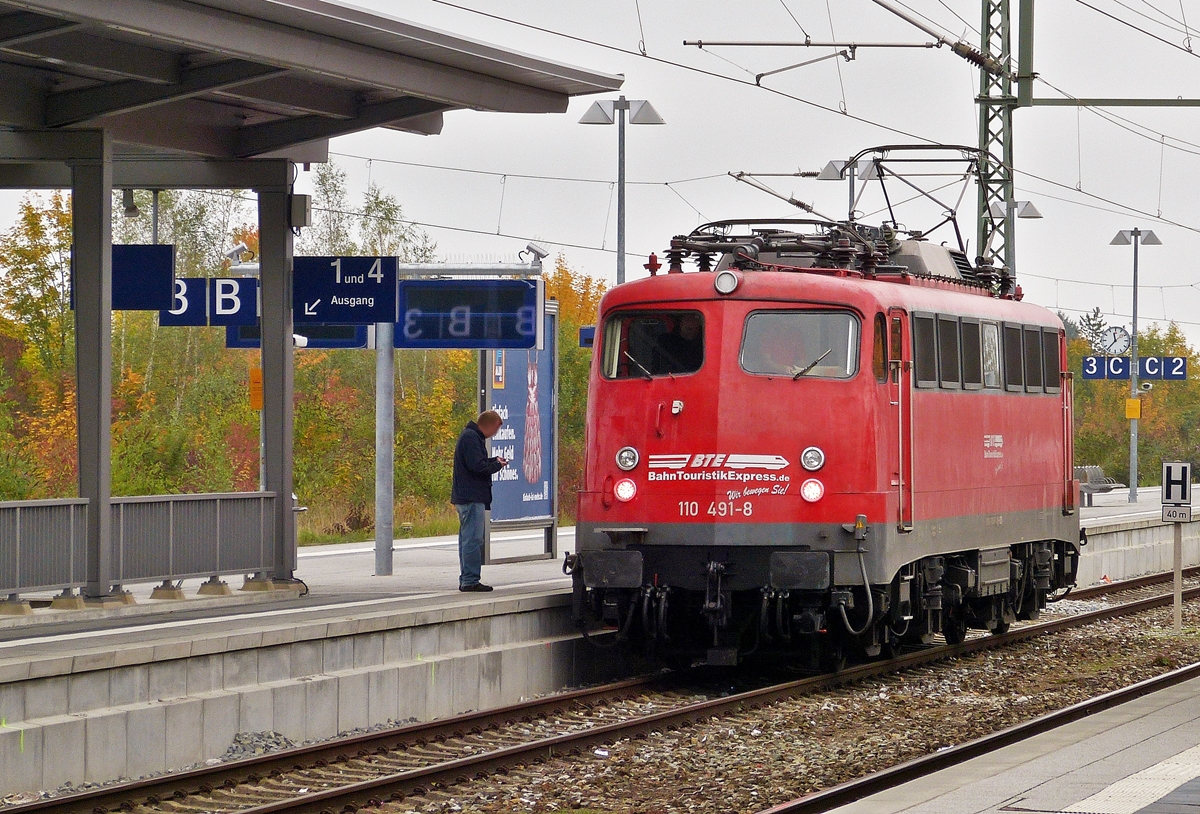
714	126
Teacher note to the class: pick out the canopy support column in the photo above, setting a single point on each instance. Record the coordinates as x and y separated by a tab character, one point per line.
275	270
91	211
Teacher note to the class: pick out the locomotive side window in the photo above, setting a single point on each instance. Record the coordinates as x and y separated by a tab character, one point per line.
879	356
972	356
951	375
990	334
1050	361
818	344
925	351
1033	360
1014	359
645	344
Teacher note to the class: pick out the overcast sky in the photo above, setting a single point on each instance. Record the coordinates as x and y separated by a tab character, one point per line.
714	125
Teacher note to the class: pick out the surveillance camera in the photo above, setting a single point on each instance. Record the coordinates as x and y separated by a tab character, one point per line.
1147	386
235	254
537	250
299	341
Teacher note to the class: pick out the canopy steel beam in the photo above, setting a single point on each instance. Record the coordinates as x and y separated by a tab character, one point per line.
73	107
263	138
259	174
84	51
241	37
22	26
300	95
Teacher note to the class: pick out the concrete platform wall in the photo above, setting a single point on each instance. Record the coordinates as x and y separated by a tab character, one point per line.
128	721
1134	548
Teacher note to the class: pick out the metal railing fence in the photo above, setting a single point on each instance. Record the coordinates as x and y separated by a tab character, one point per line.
156	537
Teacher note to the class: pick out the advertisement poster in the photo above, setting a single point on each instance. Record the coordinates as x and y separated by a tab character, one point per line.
522	392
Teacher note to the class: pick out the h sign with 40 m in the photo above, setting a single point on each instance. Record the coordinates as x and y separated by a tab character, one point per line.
1176	492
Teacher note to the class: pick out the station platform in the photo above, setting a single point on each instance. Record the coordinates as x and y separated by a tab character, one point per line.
424	571
1142	757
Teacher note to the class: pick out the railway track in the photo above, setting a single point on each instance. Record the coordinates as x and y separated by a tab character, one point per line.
426	758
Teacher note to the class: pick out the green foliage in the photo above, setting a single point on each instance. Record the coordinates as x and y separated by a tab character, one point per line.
1170	425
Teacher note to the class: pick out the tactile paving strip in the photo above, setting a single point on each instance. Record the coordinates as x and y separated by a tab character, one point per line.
1145	788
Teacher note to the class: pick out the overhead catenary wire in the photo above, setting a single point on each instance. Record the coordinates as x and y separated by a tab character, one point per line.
774	91
1137	28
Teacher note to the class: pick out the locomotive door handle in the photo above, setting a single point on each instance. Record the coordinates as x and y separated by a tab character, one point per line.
658	430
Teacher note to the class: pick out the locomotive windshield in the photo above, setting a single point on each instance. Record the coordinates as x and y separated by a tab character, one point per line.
818	344
645	344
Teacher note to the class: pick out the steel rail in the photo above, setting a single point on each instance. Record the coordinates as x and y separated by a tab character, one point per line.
439	776
331	753
852	790
1129	584
250	770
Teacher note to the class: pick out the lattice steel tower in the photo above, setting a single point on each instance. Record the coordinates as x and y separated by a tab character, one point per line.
996	105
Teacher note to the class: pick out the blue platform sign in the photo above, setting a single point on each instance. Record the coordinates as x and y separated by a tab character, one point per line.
142	276
318	336
522	392
233	301
1169	368
470	314
1116	367
587	336
1175	368
189	304
1150	367
343	290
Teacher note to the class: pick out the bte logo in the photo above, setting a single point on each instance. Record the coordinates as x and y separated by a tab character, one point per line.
718	461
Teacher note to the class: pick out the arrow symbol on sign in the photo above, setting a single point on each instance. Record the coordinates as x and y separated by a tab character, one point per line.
310	309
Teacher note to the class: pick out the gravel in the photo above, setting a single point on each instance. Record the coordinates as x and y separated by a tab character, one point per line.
752	760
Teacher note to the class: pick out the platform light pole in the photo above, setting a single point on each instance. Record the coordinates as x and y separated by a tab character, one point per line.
1124	238
607	111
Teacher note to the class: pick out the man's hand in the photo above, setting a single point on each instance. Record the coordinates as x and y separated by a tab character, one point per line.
503	461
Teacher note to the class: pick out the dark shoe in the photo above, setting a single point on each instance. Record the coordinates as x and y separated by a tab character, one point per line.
478	587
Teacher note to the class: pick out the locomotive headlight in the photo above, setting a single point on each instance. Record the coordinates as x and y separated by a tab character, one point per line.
726	282
627	458
811	490
625	490
812	459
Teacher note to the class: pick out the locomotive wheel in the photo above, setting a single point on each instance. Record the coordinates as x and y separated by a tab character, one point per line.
833	659
954	628
1000	629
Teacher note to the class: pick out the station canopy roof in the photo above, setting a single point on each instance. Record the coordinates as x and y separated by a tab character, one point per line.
254	78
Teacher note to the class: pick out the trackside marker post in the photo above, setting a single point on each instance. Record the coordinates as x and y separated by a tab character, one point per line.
1177	509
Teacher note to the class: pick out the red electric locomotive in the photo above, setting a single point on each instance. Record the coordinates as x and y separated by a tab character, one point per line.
824	439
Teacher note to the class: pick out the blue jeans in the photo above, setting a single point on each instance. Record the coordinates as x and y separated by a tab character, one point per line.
470	542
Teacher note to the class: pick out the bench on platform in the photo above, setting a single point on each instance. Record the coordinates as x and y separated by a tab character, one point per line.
1092	482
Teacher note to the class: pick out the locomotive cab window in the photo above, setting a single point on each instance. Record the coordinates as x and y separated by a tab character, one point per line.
879	354
646	344
815	344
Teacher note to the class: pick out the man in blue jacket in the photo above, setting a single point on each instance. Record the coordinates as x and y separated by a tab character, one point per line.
471	494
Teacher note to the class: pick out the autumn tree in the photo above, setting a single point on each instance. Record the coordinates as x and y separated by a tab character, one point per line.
35	290
578	297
